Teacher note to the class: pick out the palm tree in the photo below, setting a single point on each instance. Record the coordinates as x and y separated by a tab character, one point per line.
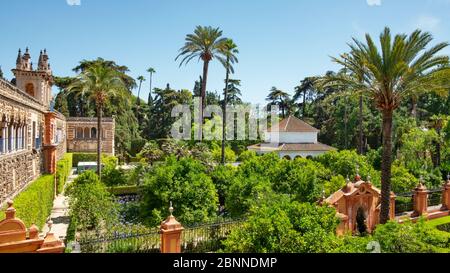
151	70
205	44
140	79
280	98
229	51
99	84
403	66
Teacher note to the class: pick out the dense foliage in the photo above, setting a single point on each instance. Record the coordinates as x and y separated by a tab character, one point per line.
91	205
186	184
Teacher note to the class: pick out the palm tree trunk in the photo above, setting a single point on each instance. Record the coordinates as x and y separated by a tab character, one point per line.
150	94
99	142
414	107
203	93
224	111
361	135
139	94
386	166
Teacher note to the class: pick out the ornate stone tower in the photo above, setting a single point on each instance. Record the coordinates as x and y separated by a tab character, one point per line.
36	83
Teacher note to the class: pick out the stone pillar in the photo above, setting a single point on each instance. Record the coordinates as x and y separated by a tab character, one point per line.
446	195
420	201
171	231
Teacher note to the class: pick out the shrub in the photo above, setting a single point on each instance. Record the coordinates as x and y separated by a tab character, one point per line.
35	203
279	225
63	170
112	176
185	183
90	202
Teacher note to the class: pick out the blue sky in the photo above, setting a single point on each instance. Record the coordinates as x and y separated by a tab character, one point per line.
280	41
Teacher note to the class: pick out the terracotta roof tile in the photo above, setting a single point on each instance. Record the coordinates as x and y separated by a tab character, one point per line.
293	124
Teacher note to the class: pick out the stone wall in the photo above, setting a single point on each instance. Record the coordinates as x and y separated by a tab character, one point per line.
17	171
82	135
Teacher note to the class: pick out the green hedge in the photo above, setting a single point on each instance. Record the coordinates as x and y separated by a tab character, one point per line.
35	203
85	157
124	190
63	170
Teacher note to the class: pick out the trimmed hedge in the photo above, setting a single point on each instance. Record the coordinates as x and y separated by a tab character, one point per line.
35	203
85	157
63	170
124	190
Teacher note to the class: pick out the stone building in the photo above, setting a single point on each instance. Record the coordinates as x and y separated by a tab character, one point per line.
33	135
82	135
291	138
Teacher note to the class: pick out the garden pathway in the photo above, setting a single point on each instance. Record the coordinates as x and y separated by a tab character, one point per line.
60	213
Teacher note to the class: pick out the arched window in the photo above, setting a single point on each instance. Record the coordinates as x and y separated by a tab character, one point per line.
93	132
287	157
29	88
309	157
79	133
2	138
87	133
299	156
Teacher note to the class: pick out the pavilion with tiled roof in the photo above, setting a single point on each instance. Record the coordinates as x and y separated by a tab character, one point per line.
291	138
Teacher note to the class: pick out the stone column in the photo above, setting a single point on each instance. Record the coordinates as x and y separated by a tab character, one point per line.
171	231
420	201
446	195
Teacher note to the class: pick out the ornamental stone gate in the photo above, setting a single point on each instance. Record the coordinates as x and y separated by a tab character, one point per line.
358	206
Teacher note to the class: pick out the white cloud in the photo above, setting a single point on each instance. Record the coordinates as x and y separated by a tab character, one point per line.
427	22
374	2
73	2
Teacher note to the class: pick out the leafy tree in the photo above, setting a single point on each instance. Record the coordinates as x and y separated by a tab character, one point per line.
99	84
244	192
404	67
185	183
222	177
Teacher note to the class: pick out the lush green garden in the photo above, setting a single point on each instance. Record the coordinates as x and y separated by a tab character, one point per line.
386	110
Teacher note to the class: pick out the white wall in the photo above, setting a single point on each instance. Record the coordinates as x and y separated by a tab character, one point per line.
287	137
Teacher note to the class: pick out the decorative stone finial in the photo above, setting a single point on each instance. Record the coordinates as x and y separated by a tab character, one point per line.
49	224
10	203
171	209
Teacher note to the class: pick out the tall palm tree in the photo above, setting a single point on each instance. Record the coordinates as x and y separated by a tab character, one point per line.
280	98
99	84
229	51
140	79
152	71
205	44
401	67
